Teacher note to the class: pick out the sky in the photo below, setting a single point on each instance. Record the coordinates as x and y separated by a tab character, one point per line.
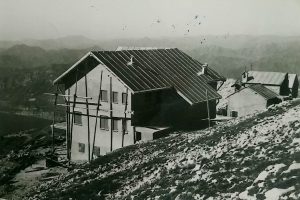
109	19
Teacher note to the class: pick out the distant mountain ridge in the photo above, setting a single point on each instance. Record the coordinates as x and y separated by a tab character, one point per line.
24	56
229	55
69	42
268	57
185	43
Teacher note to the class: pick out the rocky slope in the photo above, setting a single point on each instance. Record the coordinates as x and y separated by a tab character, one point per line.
256	157
19	153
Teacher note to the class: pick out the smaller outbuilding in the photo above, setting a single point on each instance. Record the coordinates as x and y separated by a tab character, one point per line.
251	99
293	85
278	82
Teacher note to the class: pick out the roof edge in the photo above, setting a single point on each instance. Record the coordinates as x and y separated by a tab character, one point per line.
90	53
153	90
72	67
249	87
285	74
184	97
108	69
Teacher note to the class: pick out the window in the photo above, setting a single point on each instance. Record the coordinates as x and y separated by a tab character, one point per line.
124	97
104	95
124	124
77	118
81	147
115	97
115	125
138	136
96	151
103	123
234	114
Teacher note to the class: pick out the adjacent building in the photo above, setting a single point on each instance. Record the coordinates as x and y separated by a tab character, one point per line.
117	98
293	85
250	99
278	82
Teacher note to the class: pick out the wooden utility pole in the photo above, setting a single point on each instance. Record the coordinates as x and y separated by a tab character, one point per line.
208	112
68	128
134	134
97	111
73	109
67	100
53	121
111	113
125	120
88	118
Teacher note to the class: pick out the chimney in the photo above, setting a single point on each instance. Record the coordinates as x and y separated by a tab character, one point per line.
130	63
204	69
245	76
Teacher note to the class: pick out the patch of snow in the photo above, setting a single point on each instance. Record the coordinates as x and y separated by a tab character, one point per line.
197	168
261	184
171	165
293	166
244	195
277	167
294	196
296	140
275	193
244	169
262	176
173	189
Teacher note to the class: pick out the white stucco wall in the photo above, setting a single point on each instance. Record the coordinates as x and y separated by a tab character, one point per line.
103	137
246	102
147	133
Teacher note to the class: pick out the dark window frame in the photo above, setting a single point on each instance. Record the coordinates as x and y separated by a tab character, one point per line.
125	125
106	126
102	96
76	115
234	113
115	122
124	97
96	151
115	98
138	136
81	147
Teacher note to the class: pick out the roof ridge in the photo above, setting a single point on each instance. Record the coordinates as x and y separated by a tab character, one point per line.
172	67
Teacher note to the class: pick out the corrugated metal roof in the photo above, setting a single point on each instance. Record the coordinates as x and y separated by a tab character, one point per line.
292	78
159	69
266	78
121	48
263	91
